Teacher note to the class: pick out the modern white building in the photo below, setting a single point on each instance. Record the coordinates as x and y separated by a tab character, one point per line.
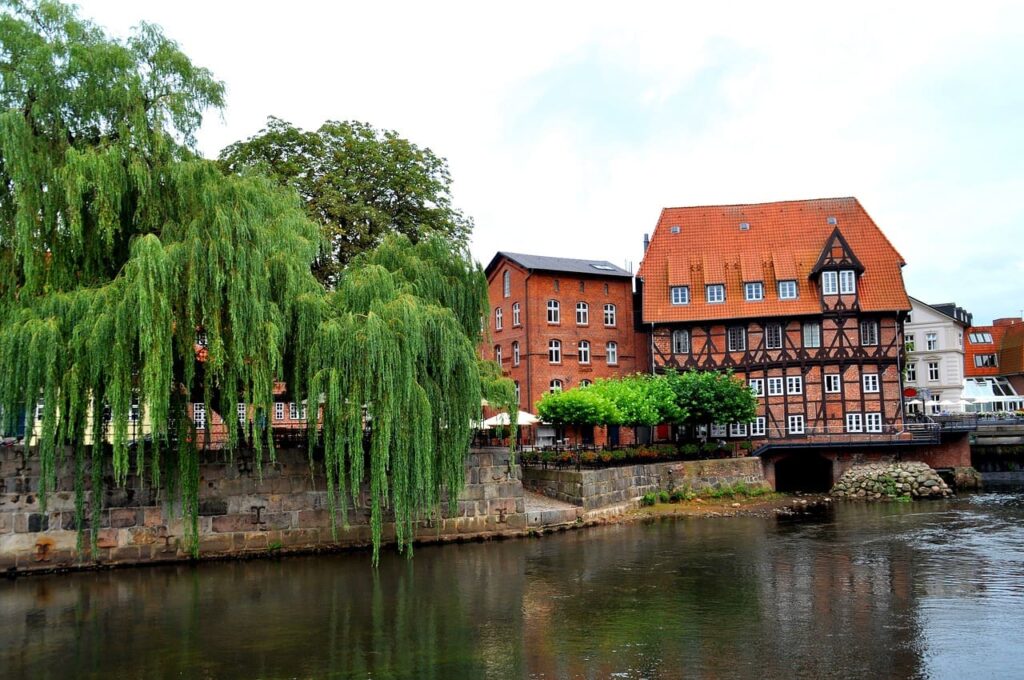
934	374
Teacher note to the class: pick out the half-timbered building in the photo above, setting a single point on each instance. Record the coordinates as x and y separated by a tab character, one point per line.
802	299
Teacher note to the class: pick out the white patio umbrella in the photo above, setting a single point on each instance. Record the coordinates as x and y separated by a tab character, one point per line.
523	418
914	402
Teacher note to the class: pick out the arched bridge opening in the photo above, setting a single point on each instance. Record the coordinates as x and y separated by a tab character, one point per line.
807	473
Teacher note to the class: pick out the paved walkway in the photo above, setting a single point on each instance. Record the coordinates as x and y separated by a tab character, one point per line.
536	502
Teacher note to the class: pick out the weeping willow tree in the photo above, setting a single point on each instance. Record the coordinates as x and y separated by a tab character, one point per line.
118	244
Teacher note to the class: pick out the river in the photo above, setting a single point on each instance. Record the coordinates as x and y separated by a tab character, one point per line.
897	590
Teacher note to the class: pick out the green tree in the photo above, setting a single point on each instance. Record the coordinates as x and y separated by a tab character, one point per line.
580	406
118	243
709	397
358	183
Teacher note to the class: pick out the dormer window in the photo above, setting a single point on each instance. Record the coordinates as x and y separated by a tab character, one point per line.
830	283
716	293
753	291
787	290
847	282
680	295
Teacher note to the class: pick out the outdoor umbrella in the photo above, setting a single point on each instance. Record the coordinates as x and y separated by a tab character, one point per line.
501	419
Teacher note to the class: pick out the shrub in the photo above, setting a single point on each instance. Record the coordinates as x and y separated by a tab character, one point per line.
649	499
663	496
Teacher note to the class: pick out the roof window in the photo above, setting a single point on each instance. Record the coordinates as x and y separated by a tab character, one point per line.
603	267
744	226
675	229
832	220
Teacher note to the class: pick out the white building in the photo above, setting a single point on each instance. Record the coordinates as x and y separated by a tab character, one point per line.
934	337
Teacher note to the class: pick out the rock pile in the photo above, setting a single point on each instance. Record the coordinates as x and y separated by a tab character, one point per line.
890	480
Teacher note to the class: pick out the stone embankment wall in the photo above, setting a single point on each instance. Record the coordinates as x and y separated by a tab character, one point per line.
886	481
593	489
240	513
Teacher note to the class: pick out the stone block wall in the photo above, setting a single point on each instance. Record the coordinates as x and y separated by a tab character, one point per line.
593	489
239	513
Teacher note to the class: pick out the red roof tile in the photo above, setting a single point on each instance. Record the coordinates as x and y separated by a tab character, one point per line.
783	241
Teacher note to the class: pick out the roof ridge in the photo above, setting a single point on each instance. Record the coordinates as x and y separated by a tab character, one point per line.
763	203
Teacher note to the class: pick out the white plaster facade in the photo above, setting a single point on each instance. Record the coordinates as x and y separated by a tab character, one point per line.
935	356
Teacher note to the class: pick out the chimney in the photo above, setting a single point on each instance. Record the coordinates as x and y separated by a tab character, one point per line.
647	241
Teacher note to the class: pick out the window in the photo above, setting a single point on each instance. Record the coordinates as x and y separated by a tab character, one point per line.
868	333
933	371
555	284
873	421
911	372
555	386
716	293
497	319
931	341
609	315
832	384
519	394
754	291
737	337
959	338
585	383
582	285
794	384
241	412
680	295
134	410
757	427
582	314
908	342
611	353
737	429
680	342
756	386
201	339
870	382
980	338
718	430
606	289
830	283
554	351
934	403
497	354
199	415
279	410
787	290
773	336
774	387
907	320
507	283
293	411
795	424
40	408
515	353
515	314
812	335
985	360
554	315
854	422
583	350
847	282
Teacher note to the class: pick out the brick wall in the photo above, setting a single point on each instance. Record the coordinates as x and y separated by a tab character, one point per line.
239	513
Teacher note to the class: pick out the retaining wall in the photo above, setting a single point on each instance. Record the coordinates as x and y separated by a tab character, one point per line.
239	513
593	489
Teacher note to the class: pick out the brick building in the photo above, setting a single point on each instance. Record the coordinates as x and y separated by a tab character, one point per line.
558	323
802	299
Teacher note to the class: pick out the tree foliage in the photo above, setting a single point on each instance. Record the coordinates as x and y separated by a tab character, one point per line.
710	397
118	243
358	183
581	406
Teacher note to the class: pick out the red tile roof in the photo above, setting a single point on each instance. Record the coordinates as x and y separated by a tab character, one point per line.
783	241
972	348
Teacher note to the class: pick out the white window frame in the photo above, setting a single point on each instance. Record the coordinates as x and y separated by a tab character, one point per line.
293	409
833	383
773	342
931	342
854	422
756	386
757	427
871	383
582	314
515	315
794	384
680	347
869	333
788	290
609	315
795	424
715	293
720	431
812	335
242	411
497	354
519	393
737	429
583	351
753	291
611	351
873	422
199	415
830	283
933	370
515	353
555	386
775	387
847	282
912	372
554	312
554	351
679	295
740	335
909	344
278	410
498	319
507	283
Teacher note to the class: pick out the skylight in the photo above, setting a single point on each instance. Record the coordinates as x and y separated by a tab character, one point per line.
603	267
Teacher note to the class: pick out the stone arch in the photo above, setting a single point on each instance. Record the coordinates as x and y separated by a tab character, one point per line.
810	473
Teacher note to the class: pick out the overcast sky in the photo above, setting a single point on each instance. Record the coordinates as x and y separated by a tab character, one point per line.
568	126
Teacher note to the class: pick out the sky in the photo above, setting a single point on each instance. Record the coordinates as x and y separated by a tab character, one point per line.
568	126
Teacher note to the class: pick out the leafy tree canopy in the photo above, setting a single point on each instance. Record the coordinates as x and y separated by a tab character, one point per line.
581	406
358	183
641	399
708	397
118	243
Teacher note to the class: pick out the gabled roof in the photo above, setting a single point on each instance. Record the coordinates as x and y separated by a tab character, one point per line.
783	241
947	309
558	264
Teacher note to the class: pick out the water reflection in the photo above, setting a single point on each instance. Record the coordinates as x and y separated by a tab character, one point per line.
897	590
